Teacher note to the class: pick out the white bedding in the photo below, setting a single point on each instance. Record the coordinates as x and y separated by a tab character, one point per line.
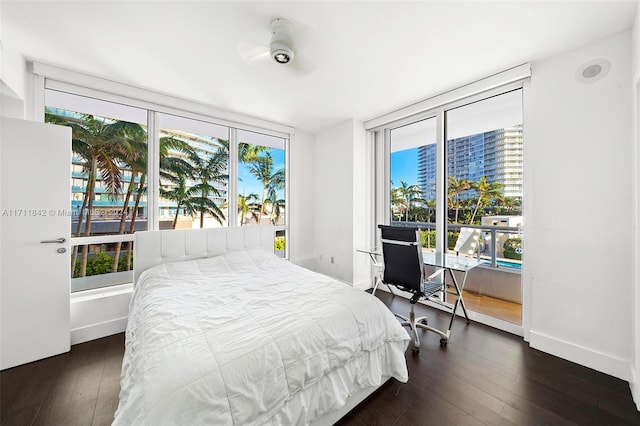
247	338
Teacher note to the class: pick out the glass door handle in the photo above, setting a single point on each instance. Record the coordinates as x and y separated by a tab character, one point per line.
59	241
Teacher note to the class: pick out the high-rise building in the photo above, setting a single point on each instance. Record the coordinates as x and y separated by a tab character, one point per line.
496	155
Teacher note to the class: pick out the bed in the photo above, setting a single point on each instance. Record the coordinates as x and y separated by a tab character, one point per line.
221	331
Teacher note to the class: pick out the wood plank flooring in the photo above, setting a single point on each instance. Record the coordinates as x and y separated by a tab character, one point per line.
80	387
483	377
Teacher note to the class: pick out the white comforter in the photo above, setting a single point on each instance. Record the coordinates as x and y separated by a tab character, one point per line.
247	338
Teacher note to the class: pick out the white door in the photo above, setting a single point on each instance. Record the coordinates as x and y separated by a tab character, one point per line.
34	207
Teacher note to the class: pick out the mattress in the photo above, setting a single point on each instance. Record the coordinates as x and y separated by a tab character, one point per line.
247	338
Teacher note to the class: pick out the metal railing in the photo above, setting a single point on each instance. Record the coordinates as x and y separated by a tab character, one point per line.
492	237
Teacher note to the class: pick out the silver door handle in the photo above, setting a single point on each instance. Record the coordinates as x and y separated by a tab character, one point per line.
59	241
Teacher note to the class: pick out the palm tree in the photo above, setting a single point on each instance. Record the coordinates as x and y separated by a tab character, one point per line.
398	201
209	171
454	189
486	192
511	204
181	194
172	164
98	141
248	152
276	184
262	168
248	205
408	196
134	144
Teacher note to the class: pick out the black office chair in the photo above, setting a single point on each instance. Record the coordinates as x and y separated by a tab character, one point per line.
404	269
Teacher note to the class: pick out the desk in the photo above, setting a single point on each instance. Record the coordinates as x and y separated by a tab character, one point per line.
450	263
374	254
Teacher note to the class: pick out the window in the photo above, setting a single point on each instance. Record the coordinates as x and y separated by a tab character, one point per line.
194	185
413	176
456	173
484	171
261	179
107	168
194	173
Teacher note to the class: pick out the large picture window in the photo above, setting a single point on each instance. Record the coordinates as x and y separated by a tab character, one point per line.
107	177
111	179
261	179
194	173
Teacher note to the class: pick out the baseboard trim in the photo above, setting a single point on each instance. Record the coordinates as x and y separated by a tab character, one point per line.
635	386
97	331
362	285
587	357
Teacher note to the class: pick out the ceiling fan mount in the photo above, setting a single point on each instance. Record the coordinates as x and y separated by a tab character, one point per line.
280	47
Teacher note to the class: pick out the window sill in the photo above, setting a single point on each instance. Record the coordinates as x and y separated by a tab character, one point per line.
101	293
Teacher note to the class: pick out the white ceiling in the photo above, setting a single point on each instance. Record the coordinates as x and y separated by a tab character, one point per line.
361	58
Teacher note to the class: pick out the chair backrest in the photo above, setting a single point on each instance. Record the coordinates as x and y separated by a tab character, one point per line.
468	241
402	254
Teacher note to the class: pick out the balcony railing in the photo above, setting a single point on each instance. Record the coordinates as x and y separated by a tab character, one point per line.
491	244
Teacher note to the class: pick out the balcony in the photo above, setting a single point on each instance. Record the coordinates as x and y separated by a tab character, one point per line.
494	288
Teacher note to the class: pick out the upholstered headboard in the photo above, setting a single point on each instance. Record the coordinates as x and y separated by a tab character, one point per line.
155	247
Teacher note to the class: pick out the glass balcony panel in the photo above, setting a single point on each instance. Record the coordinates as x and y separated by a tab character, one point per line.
93	265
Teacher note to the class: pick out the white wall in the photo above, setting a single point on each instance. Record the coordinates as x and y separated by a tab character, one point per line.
578	273
333	201
12	82
635	57
302	207
363	190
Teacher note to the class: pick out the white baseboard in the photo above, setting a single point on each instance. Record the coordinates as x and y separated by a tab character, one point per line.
97	331
362	285
587	357
635	386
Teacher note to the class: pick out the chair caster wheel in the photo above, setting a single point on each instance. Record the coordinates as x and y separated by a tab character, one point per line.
415	350
424	322
443	342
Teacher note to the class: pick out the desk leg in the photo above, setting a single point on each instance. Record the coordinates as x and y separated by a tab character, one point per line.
459	299
375	287
459	291
464	308
379	281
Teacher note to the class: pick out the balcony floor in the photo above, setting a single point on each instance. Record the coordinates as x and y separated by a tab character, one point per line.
496	308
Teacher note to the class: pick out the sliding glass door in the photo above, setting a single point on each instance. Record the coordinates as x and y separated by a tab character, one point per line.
413	177
484	169
456	173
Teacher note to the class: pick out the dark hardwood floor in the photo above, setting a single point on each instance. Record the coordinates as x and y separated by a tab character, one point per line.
483	377
77	388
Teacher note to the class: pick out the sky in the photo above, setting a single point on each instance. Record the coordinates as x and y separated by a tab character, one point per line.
404	166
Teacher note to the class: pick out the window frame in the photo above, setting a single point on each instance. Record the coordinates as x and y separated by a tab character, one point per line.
48	77
379	130
382	138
